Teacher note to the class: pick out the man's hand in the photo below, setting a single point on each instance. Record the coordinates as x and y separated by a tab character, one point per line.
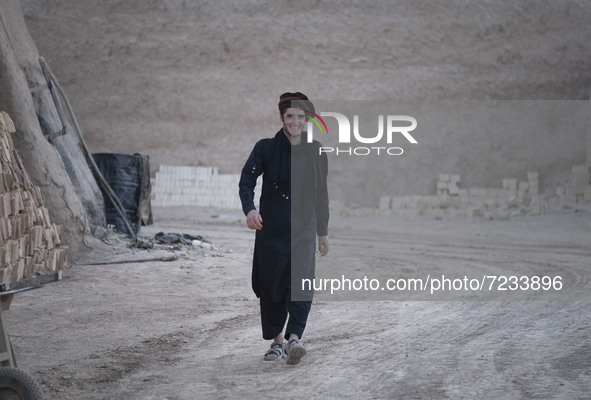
254	220
323	245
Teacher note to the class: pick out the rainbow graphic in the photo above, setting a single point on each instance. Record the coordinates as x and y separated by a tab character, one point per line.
315	118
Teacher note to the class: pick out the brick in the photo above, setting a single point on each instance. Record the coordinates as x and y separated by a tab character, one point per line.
56	234
20	265
7	253
37	196
37	233
28	266
510	184
6	205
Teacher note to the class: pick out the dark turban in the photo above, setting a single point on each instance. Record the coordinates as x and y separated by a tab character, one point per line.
295	100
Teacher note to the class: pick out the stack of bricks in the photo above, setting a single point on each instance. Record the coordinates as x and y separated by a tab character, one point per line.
579	188
510	184
514	198
448	185
30	244
196	186
533	183
385	203
524	189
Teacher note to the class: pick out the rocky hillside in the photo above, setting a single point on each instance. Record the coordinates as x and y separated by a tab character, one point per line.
197	82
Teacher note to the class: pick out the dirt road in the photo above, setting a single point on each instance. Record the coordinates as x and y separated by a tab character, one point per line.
189	328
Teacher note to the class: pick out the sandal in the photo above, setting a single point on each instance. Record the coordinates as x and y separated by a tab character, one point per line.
276	352
295	351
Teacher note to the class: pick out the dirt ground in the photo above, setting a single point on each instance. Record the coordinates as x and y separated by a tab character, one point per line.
189	328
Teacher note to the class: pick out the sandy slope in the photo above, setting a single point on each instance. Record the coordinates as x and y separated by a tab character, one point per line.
190	82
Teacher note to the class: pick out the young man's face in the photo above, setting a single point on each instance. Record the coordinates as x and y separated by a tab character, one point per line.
294	121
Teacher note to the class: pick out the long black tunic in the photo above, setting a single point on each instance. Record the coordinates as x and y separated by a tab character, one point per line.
294	208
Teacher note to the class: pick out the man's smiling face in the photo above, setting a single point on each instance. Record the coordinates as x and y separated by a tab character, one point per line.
294	120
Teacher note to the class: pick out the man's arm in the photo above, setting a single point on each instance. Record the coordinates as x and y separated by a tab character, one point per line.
254	220
252	169
323	245
322	209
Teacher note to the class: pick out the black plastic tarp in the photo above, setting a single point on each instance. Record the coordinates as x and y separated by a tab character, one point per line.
129	177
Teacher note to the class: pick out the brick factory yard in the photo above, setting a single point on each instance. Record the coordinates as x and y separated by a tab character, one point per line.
189	328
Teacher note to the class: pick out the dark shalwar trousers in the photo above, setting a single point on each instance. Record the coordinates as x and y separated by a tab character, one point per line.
274	314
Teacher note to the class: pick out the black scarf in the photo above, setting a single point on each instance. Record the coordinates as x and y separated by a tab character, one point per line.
280	166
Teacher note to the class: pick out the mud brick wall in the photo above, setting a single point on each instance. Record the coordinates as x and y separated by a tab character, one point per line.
30	244
196	186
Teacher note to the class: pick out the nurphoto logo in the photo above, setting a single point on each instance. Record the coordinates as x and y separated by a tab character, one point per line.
390	124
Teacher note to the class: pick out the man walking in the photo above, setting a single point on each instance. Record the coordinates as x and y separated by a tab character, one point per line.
293	214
